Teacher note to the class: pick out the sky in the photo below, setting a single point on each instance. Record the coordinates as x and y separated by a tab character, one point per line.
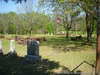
18	8
13	7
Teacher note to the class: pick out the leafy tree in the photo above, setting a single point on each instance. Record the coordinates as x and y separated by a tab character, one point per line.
63	9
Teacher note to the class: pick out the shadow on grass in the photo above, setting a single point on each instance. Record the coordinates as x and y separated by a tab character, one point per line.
70	40
69	44
14	65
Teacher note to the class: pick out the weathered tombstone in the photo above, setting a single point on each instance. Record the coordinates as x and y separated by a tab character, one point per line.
33	50
12	48
1	52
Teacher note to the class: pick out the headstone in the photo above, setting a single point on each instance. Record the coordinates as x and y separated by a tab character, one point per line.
33	50
1	52
12	47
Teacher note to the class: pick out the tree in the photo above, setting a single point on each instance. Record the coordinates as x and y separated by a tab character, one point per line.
67	11
88	6
98	38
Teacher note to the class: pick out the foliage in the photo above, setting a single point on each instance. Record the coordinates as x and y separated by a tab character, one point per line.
27	23
74	8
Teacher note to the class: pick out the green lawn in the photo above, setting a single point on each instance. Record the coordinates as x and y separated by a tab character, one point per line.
67	53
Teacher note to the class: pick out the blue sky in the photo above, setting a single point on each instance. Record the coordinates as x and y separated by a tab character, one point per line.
12	6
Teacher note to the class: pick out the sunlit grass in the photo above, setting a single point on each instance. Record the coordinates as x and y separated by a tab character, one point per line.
69	59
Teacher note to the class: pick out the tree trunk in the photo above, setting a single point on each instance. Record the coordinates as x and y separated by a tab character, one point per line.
67	33
98	39
89	33
89	27
67	30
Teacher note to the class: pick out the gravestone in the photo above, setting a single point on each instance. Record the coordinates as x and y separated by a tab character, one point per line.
12	48
33	50
1	52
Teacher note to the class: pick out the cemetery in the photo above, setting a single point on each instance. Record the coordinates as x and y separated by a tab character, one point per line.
35	53
49	37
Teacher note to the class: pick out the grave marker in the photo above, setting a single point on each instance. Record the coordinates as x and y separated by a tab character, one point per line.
33	50
12	48
1	52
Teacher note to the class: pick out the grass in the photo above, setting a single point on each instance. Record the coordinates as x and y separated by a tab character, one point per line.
66	52
70	59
